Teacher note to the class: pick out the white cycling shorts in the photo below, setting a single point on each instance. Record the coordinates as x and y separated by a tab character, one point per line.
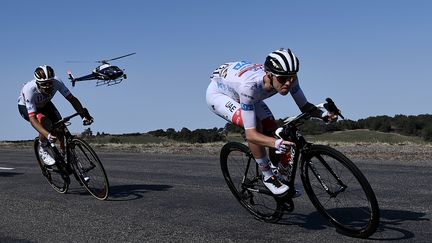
229	109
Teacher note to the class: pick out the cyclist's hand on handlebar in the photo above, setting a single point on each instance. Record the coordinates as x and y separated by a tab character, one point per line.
282	146
51	138
329	117
87	118
333	113
87	121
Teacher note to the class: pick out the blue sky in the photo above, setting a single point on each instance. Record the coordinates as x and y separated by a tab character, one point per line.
372	57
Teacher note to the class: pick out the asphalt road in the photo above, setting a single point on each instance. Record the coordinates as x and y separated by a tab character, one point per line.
180	198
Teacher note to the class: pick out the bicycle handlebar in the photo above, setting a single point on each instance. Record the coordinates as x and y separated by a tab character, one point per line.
65	119
329	105
288	130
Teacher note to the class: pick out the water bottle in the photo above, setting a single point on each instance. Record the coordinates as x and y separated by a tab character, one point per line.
286	163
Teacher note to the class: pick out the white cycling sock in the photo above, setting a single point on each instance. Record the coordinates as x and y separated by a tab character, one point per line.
264	165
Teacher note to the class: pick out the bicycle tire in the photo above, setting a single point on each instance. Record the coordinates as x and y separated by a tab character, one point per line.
352	208
89	168
234	160
58	180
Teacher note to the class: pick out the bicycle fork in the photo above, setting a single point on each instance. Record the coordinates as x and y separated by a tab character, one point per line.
342	186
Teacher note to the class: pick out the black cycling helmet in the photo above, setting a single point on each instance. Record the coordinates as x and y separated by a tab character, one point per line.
44	73
282	62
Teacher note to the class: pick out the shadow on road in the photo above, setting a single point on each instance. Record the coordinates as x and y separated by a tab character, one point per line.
392	222
10	239
390	228
9	174
133	192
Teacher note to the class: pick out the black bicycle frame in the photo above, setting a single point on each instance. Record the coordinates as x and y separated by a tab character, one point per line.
67	136
301	154
291	133
304	147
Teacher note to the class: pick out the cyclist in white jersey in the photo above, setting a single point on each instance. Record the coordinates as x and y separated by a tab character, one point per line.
35	106
236	93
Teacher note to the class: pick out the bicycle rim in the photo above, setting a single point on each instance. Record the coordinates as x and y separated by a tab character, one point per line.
349	203
58	180
89	169
247	187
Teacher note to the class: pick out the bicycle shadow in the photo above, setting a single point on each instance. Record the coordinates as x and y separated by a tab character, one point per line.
121	192
9	174
389	229
133	192
11	239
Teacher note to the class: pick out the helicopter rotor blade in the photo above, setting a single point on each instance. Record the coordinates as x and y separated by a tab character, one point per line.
112	59
79	61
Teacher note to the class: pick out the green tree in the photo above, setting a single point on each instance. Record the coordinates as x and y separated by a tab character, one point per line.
427	133
87	132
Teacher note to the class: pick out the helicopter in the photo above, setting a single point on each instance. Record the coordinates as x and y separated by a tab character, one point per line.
105	74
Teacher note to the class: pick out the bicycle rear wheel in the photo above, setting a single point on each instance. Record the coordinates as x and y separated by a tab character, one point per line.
244	179
58	180
340	191
89	168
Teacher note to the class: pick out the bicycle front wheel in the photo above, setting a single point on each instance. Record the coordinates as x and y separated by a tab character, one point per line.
56	177
244	179
89	168
340	191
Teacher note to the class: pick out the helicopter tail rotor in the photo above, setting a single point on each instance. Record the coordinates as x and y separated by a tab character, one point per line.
71	77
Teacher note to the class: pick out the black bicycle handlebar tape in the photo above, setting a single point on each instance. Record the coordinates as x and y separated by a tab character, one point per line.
84	113
331	106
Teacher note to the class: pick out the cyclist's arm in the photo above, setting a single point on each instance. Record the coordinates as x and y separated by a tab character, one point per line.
76	104
252	129
30	104
255	137
68	95
301	101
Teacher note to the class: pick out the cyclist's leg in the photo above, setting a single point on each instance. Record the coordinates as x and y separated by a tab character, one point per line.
229	109
223	105
268	126
50	115
39	115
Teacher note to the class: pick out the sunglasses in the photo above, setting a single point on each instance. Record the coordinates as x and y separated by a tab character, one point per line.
48	84
284	79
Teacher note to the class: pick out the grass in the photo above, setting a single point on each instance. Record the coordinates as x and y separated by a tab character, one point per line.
127	139
353	137
361	136
365	136
235	137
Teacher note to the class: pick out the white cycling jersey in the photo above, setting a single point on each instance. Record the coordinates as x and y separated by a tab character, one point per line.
32	98
240	84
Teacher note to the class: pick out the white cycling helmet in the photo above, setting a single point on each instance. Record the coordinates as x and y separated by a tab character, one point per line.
282	62
44	73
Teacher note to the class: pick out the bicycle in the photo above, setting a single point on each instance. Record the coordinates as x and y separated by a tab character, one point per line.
79	159
333	183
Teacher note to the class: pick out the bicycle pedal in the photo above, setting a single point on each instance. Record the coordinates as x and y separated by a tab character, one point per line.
288	206
86	179
49	168
297	193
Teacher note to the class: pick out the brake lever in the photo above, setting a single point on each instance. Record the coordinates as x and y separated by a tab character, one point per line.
331	107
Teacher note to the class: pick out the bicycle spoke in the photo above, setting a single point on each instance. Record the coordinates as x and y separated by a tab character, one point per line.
55	177
244	180
340	192
89	169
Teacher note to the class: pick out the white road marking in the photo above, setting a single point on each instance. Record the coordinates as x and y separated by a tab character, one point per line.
6	168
